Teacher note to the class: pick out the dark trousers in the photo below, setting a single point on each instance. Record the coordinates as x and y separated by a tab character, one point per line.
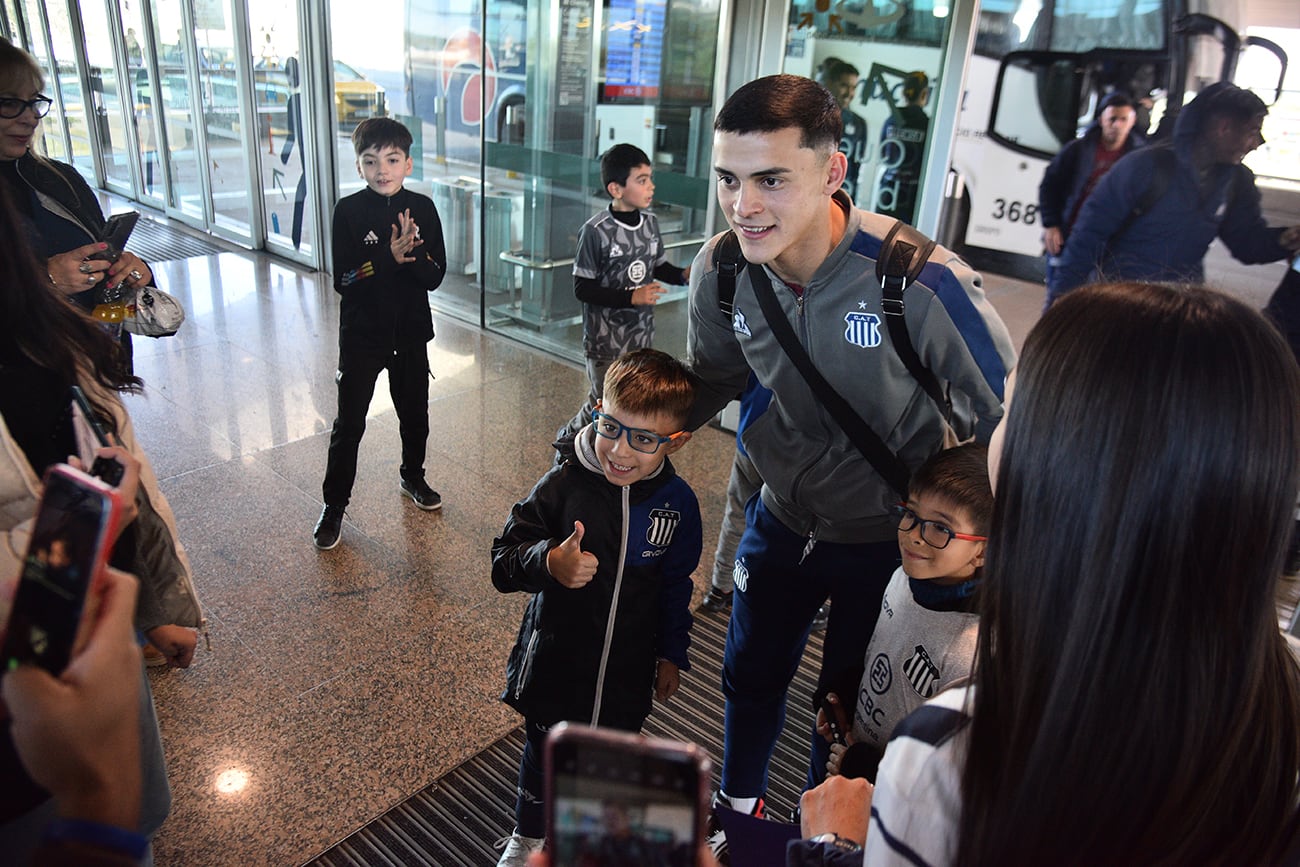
1284	309
408	383
775	599
530	808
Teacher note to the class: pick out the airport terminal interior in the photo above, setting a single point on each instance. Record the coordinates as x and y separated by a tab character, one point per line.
330	687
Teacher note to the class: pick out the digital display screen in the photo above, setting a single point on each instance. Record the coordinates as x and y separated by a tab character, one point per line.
634	44
619	809
61	557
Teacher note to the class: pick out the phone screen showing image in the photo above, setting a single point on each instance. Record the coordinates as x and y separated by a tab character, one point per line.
69	543
612	805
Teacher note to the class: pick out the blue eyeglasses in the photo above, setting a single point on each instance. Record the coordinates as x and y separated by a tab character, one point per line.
11	107
933	533
645	441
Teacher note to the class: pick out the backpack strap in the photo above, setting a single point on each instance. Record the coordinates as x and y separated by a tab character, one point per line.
728	261
1164	161
903	253
886	464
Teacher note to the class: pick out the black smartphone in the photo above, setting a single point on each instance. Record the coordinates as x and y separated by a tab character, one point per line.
71	541
614	798
117	230
103	468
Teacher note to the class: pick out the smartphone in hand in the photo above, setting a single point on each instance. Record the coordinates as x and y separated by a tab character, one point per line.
614	798
70	545
117	230
103	468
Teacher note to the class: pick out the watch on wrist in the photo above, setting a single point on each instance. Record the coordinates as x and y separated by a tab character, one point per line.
830	838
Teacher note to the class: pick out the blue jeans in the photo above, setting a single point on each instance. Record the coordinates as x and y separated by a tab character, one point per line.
771	615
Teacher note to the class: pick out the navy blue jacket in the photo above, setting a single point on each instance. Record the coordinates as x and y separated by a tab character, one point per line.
1168	242
1068	173
635	610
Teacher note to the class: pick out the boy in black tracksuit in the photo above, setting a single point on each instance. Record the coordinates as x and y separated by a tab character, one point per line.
388	254
602	633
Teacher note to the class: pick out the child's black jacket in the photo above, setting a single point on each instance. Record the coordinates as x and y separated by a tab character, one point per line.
555	664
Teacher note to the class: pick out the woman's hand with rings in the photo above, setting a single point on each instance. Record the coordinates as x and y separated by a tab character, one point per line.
74	271
130	269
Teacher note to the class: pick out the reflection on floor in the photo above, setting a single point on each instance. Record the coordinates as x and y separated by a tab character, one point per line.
340	682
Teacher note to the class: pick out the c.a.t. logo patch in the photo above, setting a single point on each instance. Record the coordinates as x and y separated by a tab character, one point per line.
922	673
863	329
663	522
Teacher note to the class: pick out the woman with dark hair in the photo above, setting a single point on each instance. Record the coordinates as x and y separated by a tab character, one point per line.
61	216
46	346
1133	700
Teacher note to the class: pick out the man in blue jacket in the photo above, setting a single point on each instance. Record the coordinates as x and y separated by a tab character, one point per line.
1207	193
1075	172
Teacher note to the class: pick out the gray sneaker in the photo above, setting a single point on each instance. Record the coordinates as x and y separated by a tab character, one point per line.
421	494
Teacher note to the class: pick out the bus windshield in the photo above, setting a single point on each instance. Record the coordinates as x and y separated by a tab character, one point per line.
1074	26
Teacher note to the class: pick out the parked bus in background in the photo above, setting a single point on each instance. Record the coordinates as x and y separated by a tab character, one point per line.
1033	83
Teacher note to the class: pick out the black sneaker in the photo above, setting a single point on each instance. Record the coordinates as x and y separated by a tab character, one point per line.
822	617
716	600
328	528
421	494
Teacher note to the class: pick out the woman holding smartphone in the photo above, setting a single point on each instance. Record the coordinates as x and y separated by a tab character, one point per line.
46	346
61	214
1133	700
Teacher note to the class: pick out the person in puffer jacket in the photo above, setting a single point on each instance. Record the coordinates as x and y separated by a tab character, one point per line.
606	542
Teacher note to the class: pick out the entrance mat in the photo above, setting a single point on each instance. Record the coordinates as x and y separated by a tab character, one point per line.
456	820
153	241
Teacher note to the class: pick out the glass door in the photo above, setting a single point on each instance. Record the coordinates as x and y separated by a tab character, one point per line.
224	79
140	98
108	100
884	64
284	117
181	151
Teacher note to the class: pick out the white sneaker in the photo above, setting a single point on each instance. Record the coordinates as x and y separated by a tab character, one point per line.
517	849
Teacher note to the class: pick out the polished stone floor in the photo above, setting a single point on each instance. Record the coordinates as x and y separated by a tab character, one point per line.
338	683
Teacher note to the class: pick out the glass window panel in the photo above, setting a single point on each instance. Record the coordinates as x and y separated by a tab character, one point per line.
49	140
177	112
143	100
283	116
107	104
223	116
75	106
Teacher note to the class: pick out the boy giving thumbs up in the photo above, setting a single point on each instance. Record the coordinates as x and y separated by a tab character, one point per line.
606	542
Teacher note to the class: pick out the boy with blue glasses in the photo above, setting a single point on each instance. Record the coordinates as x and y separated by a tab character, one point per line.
606	542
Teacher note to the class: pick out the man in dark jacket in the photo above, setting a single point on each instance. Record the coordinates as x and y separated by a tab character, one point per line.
1075	172
1207	192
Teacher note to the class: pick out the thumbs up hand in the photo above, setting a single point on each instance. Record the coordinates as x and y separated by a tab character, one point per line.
569	564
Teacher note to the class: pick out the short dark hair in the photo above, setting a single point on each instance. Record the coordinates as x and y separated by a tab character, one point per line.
381	132
833	69
915	84
649	381
1115	99
619	161
1235	104
959	475
778	102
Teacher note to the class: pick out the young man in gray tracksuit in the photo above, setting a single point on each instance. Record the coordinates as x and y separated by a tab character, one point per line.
822	525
